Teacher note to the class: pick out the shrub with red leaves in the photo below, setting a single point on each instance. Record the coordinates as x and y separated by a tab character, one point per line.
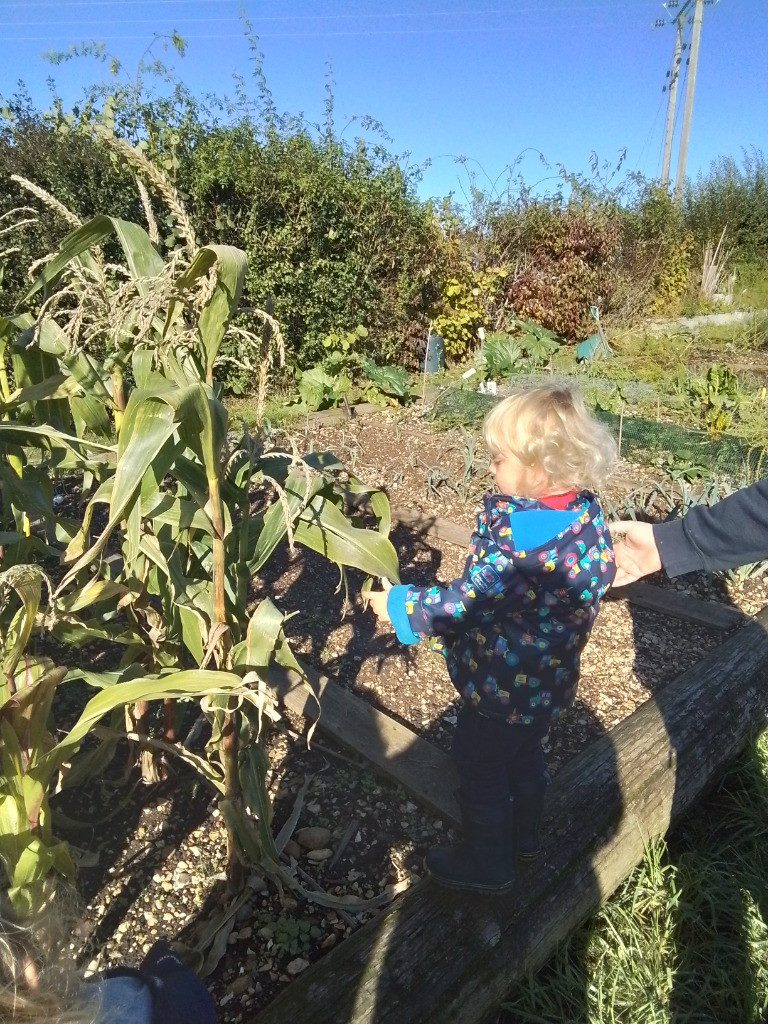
567	264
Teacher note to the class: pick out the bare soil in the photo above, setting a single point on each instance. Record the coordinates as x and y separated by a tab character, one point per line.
153	860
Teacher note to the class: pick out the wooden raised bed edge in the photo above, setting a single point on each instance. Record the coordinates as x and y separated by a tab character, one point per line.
436	957
420	767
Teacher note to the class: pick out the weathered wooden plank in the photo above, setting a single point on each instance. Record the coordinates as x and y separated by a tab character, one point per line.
432	526
421	768
644	595
326	416
681	606
436	956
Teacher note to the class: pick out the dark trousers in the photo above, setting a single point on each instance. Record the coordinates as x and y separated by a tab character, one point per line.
492	756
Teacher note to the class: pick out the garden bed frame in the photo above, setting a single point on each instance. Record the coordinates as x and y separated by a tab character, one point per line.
439	956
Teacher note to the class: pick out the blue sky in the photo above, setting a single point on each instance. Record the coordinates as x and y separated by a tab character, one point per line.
483	79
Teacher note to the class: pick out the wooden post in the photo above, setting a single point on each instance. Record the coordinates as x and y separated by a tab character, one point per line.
690	88
437	957
621	429
674	77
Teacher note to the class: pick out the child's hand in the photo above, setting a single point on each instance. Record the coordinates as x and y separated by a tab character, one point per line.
378	602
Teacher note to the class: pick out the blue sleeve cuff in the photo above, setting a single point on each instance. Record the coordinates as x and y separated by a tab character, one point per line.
399	616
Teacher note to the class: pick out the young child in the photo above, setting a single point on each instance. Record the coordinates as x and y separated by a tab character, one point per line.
512	627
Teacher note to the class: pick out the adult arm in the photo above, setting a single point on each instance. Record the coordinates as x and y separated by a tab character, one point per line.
730	533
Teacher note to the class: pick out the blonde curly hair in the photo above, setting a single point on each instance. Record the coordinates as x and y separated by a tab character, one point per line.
38	979
550	428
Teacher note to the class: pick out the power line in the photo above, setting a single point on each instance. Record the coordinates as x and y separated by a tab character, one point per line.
474	12
326	17
120	21
651	130
108	3
314	35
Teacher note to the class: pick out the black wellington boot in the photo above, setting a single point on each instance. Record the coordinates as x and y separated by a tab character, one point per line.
484	860
528	804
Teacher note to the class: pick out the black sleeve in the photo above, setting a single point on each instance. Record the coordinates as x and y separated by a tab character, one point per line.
730	533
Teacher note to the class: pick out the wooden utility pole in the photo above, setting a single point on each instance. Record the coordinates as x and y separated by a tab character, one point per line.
674	78
698	15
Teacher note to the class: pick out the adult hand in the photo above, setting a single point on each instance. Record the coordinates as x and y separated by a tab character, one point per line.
634	547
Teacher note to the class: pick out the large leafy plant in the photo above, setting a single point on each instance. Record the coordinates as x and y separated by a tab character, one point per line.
524	345
112	383
348	374
33	754
716	396
384	385
319	389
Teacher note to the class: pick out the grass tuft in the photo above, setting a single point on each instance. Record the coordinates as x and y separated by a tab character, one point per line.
685	939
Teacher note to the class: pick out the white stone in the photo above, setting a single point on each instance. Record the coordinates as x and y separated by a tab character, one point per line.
317	856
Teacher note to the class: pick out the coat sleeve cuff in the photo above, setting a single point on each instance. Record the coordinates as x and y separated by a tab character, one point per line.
399	616
677	551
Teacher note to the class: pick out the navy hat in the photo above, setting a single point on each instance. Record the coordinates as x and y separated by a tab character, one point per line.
176	994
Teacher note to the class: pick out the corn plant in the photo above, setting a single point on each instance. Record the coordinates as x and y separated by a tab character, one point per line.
30	755
173	498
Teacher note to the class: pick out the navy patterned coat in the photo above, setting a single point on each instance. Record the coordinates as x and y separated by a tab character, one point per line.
513	626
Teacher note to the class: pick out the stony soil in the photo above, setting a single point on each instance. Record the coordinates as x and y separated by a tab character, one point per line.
153	860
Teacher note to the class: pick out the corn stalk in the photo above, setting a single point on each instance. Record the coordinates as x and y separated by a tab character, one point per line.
177	508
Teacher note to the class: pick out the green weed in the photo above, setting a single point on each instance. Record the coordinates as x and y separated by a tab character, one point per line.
290	935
